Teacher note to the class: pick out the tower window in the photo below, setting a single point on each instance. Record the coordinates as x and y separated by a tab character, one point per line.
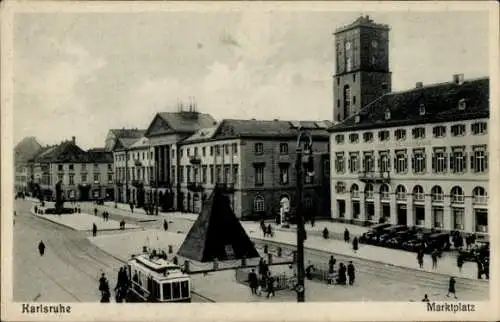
421	110
347	100
387	114
354	77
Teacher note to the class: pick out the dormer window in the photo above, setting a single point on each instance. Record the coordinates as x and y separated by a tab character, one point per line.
387	114
357	119
461	104
421	110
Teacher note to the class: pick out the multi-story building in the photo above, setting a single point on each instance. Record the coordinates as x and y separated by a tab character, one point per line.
362	66
85	175
253	162
417	158
164	133
23	152
119	138
134	168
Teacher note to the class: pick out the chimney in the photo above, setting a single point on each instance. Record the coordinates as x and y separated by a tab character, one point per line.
73	139
458	79
419	85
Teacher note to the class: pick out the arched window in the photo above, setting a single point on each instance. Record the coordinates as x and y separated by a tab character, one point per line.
437	193
418	193
354	191
258	204
457	195
369	191
384	192
480	195
400	192
340	187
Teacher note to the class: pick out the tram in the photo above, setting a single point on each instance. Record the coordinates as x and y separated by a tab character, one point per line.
154	279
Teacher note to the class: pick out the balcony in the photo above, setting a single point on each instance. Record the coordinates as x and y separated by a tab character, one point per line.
195	186
375	177
195	159
225	187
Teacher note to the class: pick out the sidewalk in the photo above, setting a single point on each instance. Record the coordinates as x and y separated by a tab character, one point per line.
83	222
446	265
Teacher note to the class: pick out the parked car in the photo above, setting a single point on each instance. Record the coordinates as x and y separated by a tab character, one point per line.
418	240
374	231
439	241
400	238
389	232
480	249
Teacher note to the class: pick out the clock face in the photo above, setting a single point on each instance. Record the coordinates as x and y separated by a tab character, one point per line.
374	43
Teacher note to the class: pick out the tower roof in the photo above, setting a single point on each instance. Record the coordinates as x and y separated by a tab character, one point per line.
362	21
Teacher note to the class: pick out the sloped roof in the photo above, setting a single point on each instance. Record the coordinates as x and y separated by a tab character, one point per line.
203	134
69	152
141	143
187	121
99	156
128	133
441	103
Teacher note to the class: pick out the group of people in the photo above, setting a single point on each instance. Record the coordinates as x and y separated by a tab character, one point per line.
104	289
266	230
355	241
263	280
122	285
105	214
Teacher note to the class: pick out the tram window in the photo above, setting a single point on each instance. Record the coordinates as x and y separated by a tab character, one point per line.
167	293
185	289
176	290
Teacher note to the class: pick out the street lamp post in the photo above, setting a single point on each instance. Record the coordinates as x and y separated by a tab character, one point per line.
299	217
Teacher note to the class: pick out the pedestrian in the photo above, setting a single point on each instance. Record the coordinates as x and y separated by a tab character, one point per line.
263	227
355	244
270	230
331	263
420	259
341	278
253	282
460	262
270	285
132	207
95	211
94	230
351	273
434	256
451	287
41	248
309	270
479	268
426	298
346	235
165	225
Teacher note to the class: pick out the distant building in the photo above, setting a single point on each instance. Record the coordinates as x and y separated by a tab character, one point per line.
164	133
417	157
23	152
117	138
362	66
85	175
253	162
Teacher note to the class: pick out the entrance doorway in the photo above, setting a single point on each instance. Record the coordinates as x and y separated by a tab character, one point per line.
419	216
370	211
401	210
386	211
355	210
341	208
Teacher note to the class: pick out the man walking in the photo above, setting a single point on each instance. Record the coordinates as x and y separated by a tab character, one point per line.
434	256
41	248
94	230
351	273
165	225
346	235
451	288
253	281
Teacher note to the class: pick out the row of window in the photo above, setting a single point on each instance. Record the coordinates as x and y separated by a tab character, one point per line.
457	195
71	178
455	161
284	175
209	174
135	173
478	128
260	206
216	149
71	167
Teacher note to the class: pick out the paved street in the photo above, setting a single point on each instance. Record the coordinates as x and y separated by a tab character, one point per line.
375	281
70	268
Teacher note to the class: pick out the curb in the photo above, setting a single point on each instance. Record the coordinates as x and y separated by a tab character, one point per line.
260	240
54	222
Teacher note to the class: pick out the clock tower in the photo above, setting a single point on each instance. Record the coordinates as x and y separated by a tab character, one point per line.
362	66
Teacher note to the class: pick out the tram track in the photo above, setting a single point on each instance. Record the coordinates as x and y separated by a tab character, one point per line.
381	270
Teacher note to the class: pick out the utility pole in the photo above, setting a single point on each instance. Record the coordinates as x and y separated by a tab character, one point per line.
299	217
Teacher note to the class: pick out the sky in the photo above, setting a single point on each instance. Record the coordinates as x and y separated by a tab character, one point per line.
81	74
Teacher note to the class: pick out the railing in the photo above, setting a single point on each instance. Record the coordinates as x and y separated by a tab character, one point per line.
480	199
375	176
194	186
195	159
225	187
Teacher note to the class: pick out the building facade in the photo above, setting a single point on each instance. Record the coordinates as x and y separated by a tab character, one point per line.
253	163
85	175
23	152
416	158
135	170
362	66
